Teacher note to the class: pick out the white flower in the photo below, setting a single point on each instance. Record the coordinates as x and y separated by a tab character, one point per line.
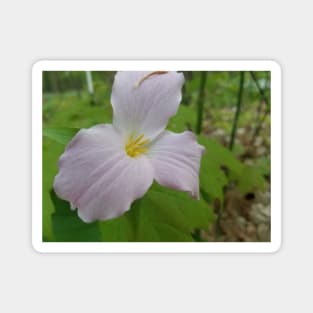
106	167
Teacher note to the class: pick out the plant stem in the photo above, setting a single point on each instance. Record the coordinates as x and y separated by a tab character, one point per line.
267	111
200	102
238	107
261	91
90	87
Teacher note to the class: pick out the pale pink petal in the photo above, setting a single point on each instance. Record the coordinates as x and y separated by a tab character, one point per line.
144	101
176	161
98	177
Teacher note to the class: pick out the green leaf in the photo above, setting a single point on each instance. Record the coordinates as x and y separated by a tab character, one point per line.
212	180
60	134
168	215
168	233
183	120
117	230
264	164
220	166
251	179
51	151
162	215
218	154
216	162
68	227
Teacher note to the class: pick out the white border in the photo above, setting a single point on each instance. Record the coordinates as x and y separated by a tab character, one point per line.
187	65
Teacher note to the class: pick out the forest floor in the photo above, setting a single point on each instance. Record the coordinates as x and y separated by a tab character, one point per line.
244	217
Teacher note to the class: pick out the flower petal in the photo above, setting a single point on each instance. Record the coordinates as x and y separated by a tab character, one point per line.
144	101
98	177
176	161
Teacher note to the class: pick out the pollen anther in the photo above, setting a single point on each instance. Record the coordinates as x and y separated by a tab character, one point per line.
136	145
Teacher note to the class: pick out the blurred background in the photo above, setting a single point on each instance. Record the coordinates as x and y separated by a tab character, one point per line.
230	107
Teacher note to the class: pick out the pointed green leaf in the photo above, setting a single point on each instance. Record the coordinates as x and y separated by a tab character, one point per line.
60	134
67	227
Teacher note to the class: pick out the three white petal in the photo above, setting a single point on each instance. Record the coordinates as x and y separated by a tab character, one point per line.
100	178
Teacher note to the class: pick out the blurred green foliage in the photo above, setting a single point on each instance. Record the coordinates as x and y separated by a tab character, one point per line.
162	214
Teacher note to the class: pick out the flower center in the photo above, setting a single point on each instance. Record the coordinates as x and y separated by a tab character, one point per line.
136	145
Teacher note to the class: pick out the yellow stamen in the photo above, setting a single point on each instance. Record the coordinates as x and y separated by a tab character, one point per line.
149	75
136	145
138	139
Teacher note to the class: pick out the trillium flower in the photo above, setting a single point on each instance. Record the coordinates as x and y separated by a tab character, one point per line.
106	167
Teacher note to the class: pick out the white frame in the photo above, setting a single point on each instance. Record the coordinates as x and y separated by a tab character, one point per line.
153	65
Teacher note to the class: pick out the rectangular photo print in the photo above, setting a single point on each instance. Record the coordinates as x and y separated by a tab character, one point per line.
156	156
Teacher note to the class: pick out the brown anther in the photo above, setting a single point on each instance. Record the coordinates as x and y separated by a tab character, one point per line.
149	75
